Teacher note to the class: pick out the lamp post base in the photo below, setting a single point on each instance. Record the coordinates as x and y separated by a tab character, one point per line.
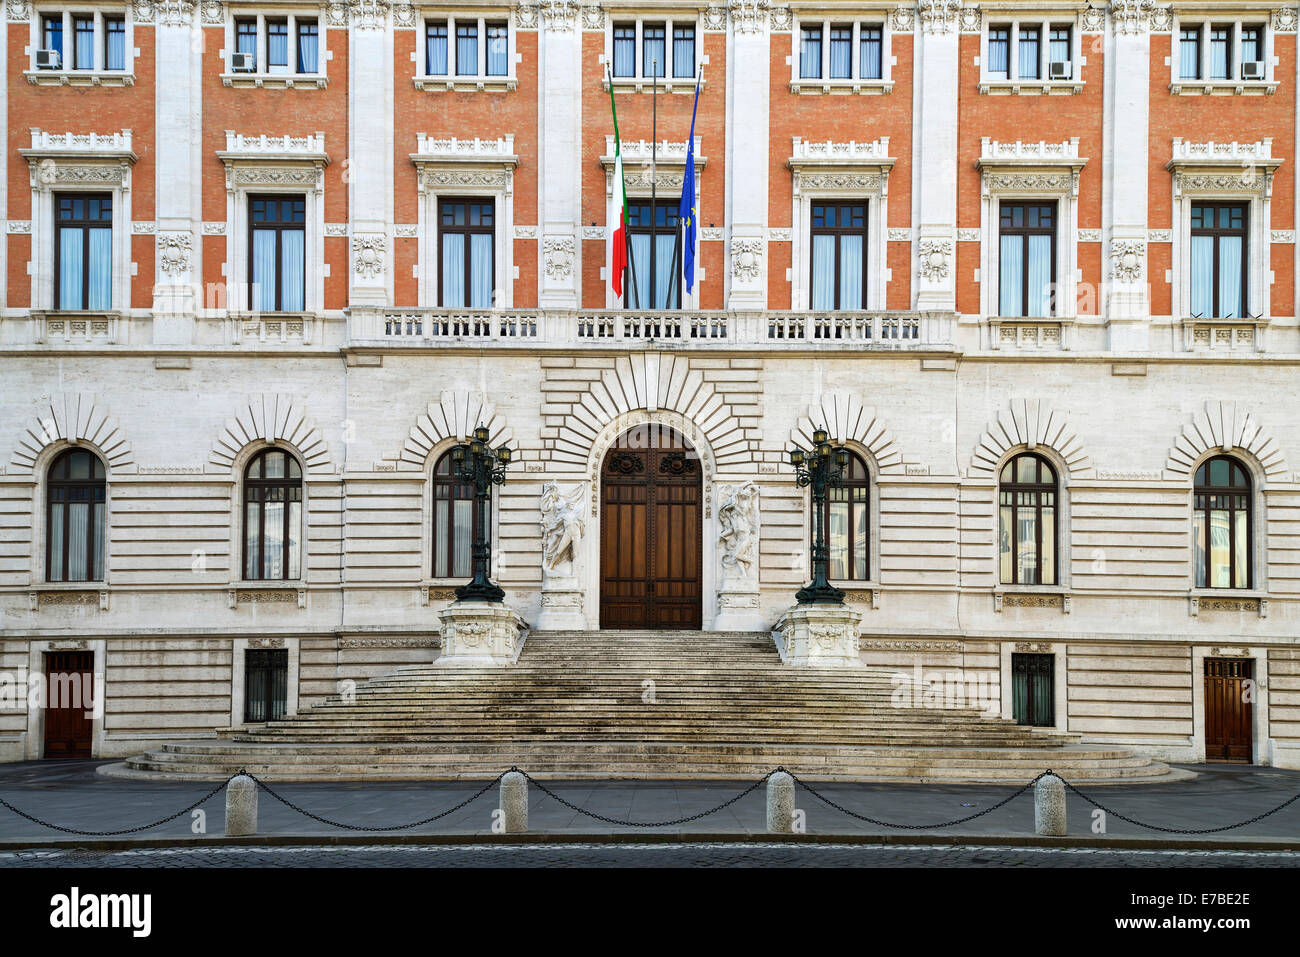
480	634
819	636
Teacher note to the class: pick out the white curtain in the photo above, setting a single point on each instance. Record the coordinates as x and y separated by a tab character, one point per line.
467	51
998	51
1219	59
273	544
70	263
639	266
1010	267
78	536
277	49
1220	556
307	42
56	542
264	270
851	273
1029	55
683	52
837	537
810	54
1040	276
252	534
841	56
665	273
1203	276
115	49
497	49
480	271
870	55
1229	277
85	49
435	54
625	56
653	57
462	532
441	508
1059	49
295	546
100	258
1027	545
1189	57
453	270
291	270
823	272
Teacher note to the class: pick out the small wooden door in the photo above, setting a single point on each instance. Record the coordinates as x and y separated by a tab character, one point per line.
650	541
69	698
1229	714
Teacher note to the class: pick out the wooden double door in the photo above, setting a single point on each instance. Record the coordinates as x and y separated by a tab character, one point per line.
1229	714
69	700
650	536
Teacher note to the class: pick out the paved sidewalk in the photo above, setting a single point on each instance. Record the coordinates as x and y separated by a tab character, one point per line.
73	795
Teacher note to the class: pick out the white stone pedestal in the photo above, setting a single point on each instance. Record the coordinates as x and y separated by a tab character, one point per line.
819	636
562	602
479	633
738	611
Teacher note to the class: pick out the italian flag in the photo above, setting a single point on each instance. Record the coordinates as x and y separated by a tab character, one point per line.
616	218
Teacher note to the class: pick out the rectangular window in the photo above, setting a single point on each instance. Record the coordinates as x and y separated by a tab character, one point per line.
1189	54
277	227
1058	50
839	256
435	49
841	53
83	51
1027	51
467	273
683	51
467	49
1252	45
871	54
277	46
810	53
653	260
266	684
52	35
246	39
653	52
1027	263
1033	693
498	49
1218	265
83	251
1000	51
1220	62
114	43
625	50
308	46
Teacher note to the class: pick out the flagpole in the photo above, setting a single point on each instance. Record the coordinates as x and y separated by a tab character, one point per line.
630	267
654	137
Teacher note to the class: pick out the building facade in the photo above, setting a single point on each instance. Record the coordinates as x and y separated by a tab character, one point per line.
1033	264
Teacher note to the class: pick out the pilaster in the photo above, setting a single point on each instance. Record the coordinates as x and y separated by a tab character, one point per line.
369	166
560	133
748	96
936	49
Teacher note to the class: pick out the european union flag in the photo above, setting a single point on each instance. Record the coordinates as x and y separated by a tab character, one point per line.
686	208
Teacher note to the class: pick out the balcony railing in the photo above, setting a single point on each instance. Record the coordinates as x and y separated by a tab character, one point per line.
576	328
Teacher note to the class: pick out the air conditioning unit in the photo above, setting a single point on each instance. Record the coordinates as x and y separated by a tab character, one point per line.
242	63
1058	70
1252	70
48	60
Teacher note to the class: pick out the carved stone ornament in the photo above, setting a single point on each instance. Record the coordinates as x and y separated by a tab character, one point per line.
1126	260
368	254
1284	20
559	255
560	16
747	16
526	16
336	13
1093	20
939	16
902	19
174	251
563	525
715	19
213	12
934	255
1132	17
746	259
782	19
17	11
368	14
593	16
738	528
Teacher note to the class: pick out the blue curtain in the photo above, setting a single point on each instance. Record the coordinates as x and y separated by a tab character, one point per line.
1011	271
998	52
307	42
498	49
810	54
1189	56
480	271
665	273
277	48
291	270
870	55
851	272
1202	275
453	270
653	53
115	46
264	270
683	52
436	52
100	259
70	262
1230	277
467	51
823	272
85	49
1040	276
625	56
54	36
841	55
640	268
1029	55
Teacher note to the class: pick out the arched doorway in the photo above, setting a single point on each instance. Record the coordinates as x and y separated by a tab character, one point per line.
651	554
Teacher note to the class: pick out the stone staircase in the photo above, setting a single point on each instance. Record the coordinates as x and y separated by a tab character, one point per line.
640	705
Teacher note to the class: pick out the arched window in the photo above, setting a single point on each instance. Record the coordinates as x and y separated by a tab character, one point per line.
1027	536
272	517
1222	522
454	515
75	493
847	521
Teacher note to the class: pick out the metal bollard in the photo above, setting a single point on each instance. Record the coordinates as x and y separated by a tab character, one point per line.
1049	807
241	806
514	802
780	803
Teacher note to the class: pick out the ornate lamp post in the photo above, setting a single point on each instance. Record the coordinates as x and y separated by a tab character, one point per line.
483	466
821	467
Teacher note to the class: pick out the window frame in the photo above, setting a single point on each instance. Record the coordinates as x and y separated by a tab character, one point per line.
288	484
455	485
1015	488
1025	232
855	82
1200	489
640	78
261	75
268	662
1204	83
865	505
837	232
98	489
1216	232
280	228
454	78
671	207
1012	80
84	225
97	73
466	230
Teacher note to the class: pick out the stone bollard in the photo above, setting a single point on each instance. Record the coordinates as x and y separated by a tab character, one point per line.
780	803
514	802
241	806
1049	807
